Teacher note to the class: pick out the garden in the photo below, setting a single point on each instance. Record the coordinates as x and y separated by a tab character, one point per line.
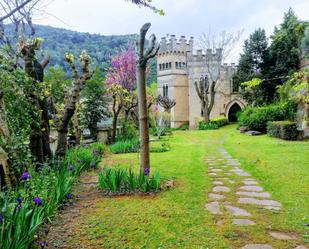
92	156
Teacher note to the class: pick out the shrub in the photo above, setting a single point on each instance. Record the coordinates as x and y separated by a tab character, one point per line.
256	118
215	123
283	129
163	147
39	194
119	181
126	146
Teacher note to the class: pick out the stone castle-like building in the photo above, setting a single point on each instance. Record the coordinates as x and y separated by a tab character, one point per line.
179	67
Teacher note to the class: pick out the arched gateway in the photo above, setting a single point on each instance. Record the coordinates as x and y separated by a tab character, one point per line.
232	109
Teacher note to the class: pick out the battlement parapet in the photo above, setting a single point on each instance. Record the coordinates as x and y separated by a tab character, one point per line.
170	45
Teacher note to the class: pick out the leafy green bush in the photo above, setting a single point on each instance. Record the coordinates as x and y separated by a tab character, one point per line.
118	181
39	194
256	118
283	129
126	146
215	123
163	147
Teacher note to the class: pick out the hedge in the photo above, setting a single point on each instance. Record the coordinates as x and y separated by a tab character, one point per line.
215	123
286	130
257	118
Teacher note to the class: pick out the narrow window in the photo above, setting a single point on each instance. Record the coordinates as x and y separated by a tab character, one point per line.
166	65
163	66
176	64
170	65
165	90
160	66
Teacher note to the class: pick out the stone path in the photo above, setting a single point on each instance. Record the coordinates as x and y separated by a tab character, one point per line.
243	192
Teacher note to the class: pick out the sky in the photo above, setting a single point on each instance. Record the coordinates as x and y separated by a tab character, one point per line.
182	17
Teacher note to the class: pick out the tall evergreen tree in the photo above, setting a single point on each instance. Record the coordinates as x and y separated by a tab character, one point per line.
253	61
285	49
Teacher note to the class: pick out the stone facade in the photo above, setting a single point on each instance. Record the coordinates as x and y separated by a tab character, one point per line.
179	67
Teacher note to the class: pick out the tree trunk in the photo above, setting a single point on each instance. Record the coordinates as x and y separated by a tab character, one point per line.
307	110
39	136
77	129
142	95
114	131
143	118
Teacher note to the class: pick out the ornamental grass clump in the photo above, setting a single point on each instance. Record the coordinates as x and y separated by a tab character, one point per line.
125	181
126	146
39	194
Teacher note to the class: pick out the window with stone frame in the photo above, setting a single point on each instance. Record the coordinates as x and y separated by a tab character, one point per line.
235	86
165	90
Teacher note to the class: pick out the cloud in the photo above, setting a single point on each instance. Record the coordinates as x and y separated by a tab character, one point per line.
183	17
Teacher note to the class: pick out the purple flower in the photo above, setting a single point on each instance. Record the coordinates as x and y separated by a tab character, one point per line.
19	206
79	161
38	201
146	171
94	152
70	167
25	176
19	200
1	218
70	196
42	244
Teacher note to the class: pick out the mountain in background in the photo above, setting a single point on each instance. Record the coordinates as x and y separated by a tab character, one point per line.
101	48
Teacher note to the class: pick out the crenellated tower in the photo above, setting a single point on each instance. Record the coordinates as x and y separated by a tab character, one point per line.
173	75
179	66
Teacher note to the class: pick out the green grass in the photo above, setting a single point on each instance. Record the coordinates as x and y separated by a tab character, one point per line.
177	218
283	169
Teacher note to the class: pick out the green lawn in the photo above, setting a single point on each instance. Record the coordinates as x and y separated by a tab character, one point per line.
177	218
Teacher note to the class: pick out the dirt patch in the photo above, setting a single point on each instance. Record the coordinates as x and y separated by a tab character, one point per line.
63	227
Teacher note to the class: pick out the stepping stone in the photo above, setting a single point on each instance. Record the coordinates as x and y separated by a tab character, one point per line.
301	247
216	196
257	246
250	182
228	174
235	211
231	181
283	235
212	174
218	189
243	222
243	174
254	201
254	194
216	170
251	188
213	207
218	183
272	208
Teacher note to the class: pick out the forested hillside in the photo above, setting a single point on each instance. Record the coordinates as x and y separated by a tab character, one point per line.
101	48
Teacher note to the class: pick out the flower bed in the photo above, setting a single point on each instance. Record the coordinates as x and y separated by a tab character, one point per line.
40	194
117	181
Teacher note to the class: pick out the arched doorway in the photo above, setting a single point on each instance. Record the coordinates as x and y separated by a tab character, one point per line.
232	115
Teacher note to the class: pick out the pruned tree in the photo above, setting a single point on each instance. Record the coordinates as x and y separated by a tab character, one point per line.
206	94
166	103
39	137
143	58
79	80
163	120
223	44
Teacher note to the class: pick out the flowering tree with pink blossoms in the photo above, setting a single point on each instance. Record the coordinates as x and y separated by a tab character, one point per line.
121	82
